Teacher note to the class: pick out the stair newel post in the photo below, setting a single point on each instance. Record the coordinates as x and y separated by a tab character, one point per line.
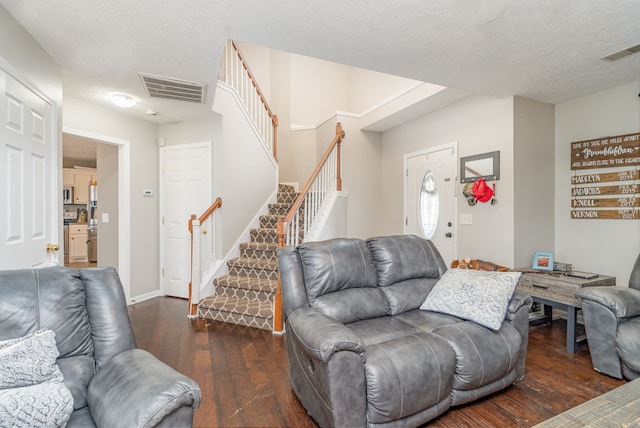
193	308
278	319
340	134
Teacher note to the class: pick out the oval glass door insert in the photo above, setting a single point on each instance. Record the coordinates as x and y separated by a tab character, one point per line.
429	205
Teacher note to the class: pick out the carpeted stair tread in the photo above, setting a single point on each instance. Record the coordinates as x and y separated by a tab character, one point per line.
238	306
245	295
262	246
286	188
248	283
287	198
269	221
253	264
259	251
240	311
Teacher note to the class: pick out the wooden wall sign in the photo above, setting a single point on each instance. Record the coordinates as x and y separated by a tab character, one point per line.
590	200
632	214
621	150
606	177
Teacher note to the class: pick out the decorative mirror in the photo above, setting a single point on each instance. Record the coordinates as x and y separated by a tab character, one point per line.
485	165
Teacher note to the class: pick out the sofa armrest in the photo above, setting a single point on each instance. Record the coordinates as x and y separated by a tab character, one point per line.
136	389
518	301
322	336
624	302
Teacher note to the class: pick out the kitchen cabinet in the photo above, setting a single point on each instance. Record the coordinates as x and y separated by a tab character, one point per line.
68	177
78	243
82	179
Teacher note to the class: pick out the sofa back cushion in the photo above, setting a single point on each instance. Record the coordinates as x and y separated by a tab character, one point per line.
52	298
408	267
402	257
340	279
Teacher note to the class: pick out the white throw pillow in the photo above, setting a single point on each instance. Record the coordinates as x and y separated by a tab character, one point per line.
32	391
474	295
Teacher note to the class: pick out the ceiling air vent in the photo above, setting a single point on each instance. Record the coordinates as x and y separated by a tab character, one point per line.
621	54
173	89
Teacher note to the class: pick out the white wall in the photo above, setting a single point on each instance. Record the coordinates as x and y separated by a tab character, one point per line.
190	131
479	125
361	180
318	89
143	139
18	48
603	246
367	88
305	92
249	176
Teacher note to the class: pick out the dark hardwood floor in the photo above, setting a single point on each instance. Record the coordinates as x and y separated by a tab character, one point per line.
244	373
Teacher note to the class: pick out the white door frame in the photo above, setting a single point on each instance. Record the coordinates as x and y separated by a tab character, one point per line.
452	145
162	231
124	202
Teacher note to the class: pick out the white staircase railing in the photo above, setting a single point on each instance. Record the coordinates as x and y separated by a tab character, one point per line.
325	178
235	72
203	252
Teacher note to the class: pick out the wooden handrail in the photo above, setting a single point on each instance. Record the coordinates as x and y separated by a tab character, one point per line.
254	82
285	222
337	140
193	307
206	214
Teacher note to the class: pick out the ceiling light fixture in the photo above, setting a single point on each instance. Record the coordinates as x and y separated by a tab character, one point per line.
123	100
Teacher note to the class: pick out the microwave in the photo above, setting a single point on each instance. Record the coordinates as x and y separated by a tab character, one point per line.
67	195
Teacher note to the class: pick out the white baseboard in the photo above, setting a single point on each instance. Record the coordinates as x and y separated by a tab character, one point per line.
146	296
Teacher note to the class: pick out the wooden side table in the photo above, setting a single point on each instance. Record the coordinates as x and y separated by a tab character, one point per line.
555	289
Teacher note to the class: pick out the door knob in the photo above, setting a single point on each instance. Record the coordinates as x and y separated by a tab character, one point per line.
448	234
52	248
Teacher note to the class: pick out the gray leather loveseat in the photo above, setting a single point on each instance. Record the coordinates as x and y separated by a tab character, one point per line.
362	353
111	382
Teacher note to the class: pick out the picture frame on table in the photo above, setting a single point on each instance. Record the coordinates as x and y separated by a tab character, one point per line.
542	261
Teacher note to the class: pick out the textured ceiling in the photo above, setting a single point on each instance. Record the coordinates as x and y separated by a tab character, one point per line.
547	50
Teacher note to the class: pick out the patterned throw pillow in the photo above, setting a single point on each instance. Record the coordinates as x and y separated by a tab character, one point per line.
474	295
32	392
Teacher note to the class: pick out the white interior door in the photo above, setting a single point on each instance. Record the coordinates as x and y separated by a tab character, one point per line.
186	190
430	197
28	184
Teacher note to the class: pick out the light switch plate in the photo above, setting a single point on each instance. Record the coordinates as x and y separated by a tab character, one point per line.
105	217
466	218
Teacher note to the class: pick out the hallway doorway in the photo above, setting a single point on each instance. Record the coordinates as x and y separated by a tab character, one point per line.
113	201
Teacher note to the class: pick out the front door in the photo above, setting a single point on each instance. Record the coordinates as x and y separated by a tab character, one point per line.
186	190
28	183
430	197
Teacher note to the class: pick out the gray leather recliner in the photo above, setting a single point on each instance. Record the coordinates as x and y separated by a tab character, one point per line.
612	323
112	382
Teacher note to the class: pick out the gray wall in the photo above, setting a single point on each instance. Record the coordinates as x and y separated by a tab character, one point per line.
478	125
107	166
534	174
143	140
603	246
